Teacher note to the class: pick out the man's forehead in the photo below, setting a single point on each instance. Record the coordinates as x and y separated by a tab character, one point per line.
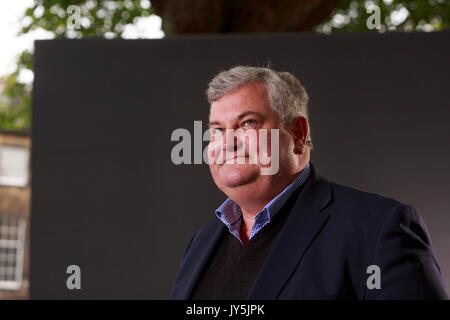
238	109
233	115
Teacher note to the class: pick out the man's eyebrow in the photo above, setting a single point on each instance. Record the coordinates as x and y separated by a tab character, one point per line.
242	115
250	113
212	123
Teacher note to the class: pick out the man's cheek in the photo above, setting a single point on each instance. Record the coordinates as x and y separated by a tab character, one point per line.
270	156
251	147
263	147
214	154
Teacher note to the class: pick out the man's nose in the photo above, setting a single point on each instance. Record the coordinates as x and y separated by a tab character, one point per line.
231	142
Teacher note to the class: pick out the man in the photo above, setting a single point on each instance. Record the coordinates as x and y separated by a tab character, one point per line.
292	234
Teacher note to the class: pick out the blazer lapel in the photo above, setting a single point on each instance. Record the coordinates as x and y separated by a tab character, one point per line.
198	256
302	225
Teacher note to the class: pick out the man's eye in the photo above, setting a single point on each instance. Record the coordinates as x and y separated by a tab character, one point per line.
217	130
249	123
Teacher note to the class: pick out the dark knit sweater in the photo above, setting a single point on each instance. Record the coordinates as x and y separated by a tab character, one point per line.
233	267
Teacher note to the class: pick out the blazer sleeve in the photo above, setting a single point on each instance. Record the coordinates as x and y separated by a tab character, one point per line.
407	265
175	291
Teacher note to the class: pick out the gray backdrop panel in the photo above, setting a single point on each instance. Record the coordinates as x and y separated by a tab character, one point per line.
106	196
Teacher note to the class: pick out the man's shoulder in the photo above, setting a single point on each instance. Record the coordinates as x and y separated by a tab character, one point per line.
353	196
357	219
361	206
353	202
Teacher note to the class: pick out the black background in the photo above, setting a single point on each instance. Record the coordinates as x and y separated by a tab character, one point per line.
106	196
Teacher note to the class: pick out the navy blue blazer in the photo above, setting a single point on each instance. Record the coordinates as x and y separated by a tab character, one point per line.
330	238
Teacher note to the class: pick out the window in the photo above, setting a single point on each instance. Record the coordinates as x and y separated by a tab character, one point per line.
13	165
12	234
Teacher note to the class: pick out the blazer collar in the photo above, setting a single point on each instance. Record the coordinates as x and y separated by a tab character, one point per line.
304	222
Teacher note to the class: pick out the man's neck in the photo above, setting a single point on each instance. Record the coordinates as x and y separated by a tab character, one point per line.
250	210
245	231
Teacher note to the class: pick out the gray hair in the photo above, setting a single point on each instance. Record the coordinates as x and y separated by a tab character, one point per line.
286	94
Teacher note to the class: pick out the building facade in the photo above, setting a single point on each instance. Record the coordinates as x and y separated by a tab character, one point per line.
15	196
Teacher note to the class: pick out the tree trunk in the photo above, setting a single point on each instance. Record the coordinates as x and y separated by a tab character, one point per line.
223	16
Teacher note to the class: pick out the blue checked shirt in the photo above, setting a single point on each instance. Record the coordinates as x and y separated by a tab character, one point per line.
230	212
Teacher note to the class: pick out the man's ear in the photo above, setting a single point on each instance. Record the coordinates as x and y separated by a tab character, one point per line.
300	132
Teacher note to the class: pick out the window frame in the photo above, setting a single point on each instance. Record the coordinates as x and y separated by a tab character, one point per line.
19	246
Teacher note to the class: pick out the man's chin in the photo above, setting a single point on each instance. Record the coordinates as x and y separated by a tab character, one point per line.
235	175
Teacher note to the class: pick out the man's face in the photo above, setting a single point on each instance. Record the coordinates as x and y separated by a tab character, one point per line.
236	148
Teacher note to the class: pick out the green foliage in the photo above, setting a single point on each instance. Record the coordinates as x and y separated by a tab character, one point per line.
14	104
99	17
419	15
